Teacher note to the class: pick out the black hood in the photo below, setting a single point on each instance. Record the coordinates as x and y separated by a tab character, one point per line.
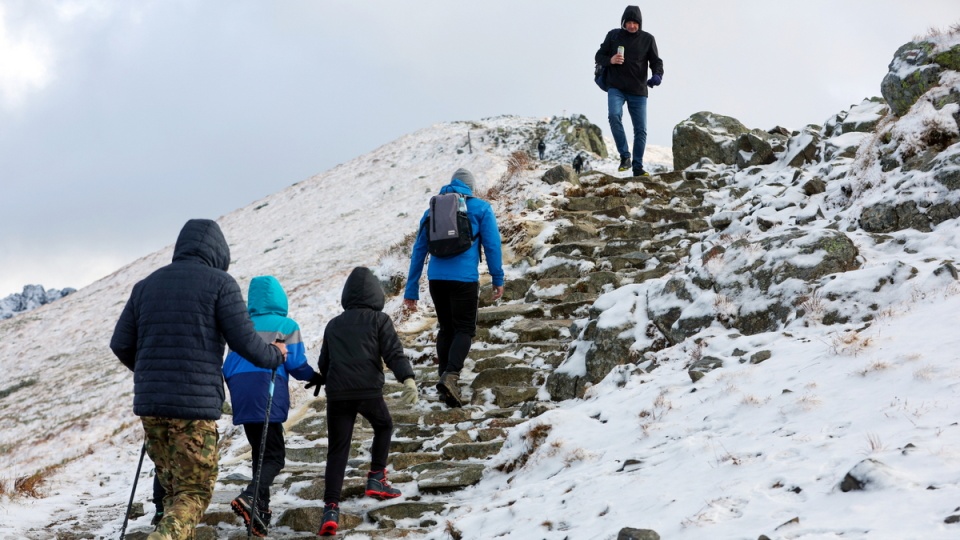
362	290
632	13
202	240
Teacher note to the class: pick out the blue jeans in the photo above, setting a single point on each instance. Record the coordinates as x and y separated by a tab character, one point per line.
637	107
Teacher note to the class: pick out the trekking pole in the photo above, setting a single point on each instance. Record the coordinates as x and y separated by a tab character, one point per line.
126	516
255	511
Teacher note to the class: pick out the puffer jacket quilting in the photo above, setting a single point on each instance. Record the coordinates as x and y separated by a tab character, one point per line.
173	329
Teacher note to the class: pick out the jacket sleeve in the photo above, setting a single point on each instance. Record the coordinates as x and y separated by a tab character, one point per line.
391	350
323	363
124	340
656	63
296	363
605	51
417	258
490	238
233	321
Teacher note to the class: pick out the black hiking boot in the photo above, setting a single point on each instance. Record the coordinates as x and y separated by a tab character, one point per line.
330	520
243	507
640	172
624	163
156	519
449	390
379	488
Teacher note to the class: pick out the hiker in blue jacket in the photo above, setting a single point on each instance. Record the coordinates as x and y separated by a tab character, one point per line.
249	391
455	284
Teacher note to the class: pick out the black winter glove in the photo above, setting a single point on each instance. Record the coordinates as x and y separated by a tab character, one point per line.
315	382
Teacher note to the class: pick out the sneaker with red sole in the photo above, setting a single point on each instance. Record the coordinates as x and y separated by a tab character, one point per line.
379	488
330	521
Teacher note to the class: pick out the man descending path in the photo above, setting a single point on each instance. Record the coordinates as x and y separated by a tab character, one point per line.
627	52
455	283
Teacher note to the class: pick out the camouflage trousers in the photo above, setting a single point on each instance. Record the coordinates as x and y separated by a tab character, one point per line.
185	455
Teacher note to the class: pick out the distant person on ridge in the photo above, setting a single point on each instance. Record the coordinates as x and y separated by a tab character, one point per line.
578	163
626	52
455	284
541	148
356	345
250	389
171	334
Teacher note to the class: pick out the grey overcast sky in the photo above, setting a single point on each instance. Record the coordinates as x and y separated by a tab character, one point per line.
120	120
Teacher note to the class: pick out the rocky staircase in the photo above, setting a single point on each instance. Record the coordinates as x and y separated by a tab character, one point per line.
609	231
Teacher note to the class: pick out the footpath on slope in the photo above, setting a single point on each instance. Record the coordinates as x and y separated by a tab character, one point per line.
607	232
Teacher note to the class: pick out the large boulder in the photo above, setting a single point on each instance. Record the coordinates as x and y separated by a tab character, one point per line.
561	173
912	72
769	275
860	118
758	147
578	132
804	147
706	135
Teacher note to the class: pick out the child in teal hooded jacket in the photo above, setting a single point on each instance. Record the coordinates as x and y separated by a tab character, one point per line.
250	388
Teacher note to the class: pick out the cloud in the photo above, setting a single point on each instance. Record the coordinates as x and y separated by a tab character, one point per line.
27	65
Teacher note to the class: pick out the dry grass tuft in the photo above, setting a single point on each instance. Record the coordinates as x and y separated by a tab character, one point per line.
452	531
534	439
926	373
30	486
850	343
813	305
403	247
874	441
508	183
879	365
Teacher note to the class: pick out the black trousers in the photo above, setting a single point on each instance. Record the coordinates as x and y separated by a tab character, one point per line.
274	458
341	416
456	305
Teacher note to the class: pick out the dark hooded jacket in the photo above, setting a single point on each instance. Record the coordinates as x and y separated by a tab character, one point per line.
639	52
359	341
172	330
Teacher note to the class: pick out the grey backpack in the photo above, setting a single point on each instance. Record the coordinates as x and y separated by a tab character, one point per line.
449	232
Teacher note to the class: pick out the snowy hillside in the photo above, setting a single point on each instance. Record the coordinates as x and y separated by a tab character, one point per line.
65	408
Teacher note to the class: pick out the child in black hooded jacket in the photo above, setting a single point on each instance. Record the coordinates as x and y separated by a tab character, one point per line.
356	344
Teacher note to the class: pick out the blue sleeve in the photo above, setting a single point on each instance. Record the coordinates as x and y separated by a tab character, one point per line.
417	258
490	238
296	363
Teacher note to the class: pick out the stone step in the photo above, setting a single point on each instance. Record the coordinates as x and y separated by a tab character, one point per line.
492	315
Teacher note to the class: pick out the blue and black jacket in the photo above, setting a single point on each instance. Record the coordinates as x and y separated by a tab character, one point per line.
250	385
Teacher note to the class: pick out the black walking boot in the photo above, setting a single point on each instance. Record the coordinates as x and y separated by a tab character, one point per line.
243	507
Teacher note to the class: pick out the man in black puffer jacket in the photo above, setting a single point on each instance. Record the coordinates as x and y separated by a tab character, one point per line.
626	52
356	344
171	334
